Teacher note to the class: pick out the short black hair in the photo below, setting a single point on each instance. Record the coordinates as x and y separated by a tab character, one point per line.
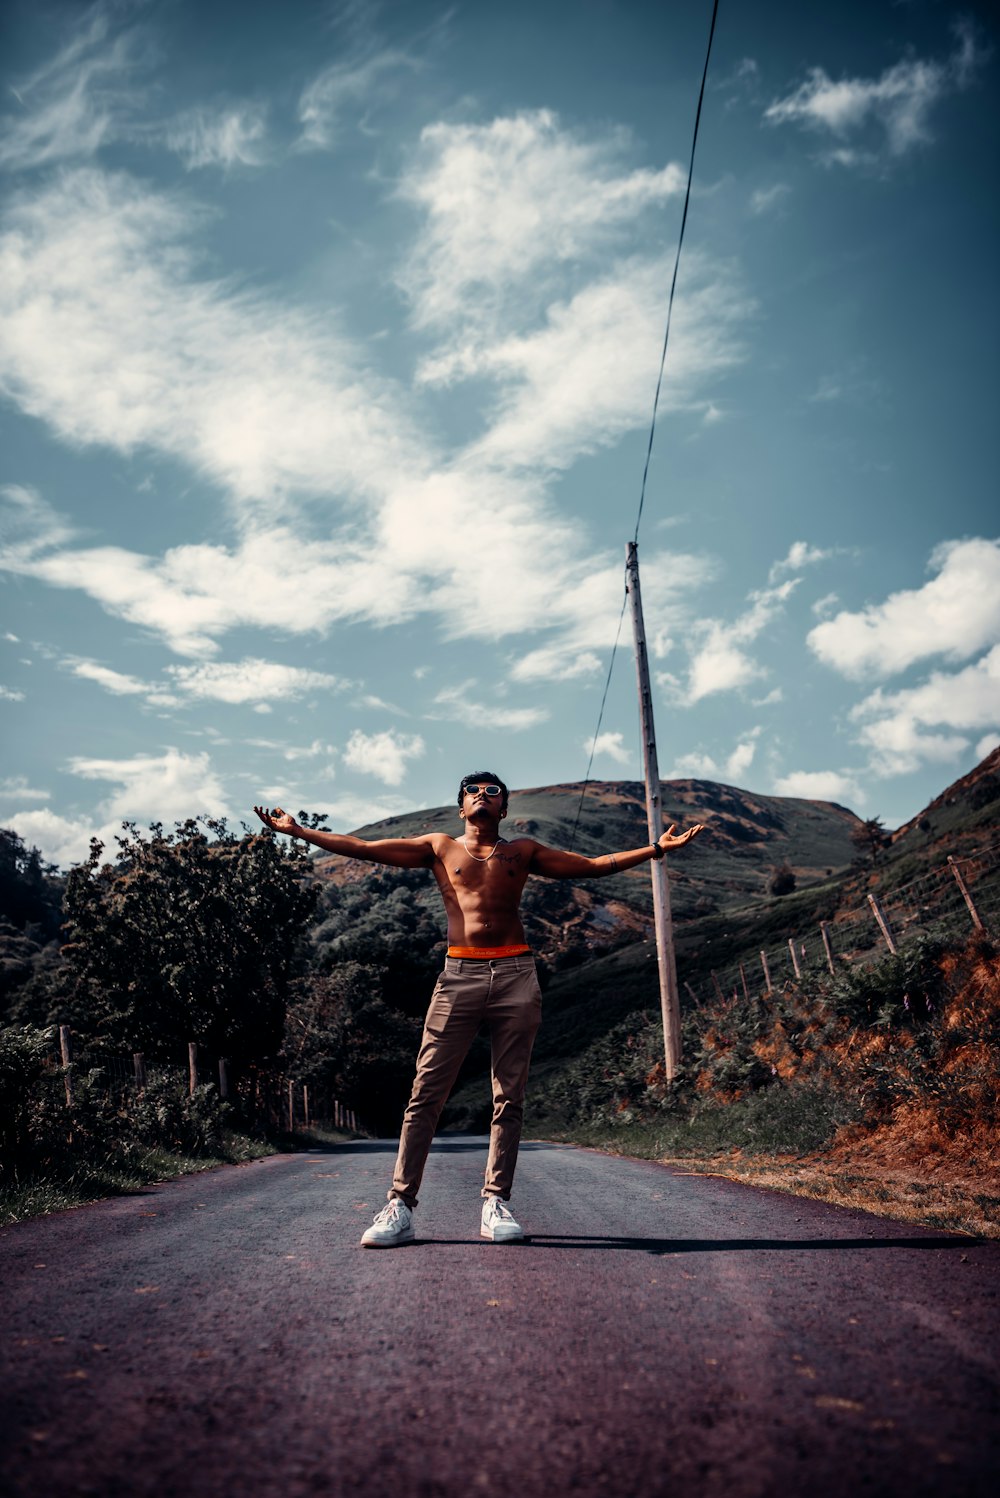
484	777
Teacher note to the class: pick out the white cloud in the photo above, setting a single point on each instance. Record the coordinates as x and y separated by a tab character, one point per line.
228	137
14	639
821	785
585	613
61	840
721	662
506	203
611	744
458	705
10	694
167	787
954	615
826	604
703	766
149	788
112	681
113	338
382	754
987	744
894	725
586	375
899	101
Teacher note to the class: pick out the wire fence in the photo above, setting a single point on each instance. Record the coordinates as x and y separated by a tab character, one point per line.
956	897
263	1098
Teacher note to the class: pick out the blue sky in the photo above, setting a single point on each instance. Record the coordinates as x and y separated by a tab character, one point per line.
328	343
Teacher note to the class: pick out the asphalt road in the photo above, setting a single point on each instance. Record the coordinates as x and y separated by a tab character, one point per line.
660	1333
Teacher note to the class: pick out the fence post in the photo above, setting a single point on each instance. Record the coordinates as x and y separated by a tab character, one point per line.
139	1068
743	980
795	959
291	1107
305	1104
66	1053
965	894
691	993
192	1066
718	991
879	915
825	933
767	972
223	1077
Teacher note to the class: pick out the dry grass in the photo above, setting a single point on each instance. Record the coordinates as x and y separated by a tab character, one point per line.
937	1199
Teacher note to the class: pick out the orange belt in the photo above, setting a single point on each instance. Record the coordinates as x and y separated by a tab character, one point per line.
485	954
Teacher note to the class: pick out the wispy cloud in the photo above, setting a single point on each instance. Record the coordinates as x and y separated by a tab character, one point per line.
506	204
840	786
460	704
898	103
702	765
78	100
766	199
354	86
720	660
227	137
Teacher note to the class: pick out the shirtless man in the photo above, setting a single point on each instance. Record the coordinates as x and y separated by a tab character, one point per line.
489	975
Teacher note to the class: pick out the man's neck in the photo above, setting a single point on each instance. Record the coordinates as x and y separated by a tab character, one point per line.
481	839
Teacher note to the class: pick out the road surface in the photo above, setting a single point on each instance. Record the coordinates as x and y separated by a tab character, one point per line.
660	1333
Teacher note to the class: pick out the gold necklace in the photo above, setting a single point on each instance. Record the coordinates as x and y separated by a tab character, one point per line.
488	856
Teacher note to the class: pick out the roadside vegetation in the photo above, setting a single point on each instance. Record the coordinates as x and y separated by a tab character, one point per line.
879	1087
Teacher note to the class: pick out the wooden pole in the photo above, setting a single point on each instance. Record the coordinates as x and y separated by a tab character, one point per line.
718	990
139	1068
825	932
795	957
886	930
965	894
691	993
66	1053
767	972
192	1066
291	1107
223	1077
743	980
666	958
305	1104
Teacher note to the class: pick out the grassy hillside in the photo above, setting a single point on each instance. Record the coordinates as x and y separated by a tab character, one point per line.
749	836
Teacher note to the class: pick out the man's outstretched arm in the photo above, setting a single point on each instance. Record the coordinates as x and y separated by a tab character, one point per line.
400	852
552	863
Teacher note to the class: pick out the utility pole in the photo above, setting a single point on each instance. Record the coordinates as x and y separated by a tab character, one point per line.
662	922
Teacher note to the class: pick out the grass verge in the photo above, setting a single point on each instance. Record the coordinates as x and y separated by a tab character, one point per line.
117	1176
934	1192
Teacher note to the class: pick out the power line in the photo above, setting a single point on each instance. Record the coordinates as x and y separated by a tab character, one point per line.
656	403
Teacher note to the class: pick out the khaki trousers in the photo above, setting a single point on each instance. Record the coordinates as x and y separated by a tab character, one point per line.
503	993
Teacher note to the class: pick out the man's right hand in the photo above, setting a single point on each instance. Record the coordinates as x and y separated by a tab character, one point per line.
278	820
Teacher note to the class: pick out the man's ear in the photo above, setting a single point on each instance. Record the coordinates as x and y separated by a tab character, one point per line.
503	814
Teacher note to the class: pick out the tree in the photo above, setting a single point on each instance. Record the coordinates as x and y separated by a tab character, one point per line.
183	938
346	1042
870	838
782	881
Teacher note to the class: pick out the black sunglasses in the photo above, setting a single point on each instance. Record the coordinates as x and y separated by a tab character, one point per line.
487	790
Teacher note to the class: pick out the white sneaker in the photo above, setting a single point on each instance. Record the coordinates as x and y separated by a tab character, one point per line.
499	1223
391	1227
